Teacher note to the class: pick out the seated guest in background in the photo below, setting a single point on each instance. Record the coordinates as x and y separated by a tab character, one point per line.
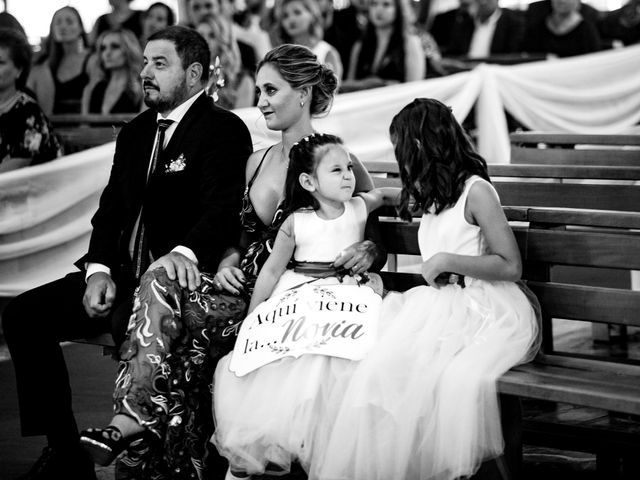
538	11
389	52
444	23
300	22
230	84
488	30
120	16
26	137
563	33
158	16
346	28
198	10
115	87
622	25
249	27
60	73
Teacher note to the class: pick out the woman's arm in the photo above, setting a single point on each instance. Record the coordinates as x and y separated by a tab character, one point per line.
378	197
501	262
335	63
364	182
40	81
275	265
246	92
415	59
353	61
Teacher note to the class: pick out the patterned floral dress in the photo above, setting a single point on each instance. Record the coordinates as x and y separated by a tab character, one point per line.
25	132
174	340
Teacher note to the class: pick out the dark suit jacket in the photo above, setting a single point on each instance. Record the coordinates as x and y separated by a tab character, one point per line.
507	37
197	207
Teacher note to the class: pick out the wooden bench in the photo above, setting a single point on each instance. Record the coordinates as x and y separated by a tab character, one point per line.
608	386
563	186
80	132
574	149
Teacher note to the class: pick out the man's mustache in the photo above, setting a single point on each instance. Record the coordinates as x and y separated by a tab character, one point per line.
149	85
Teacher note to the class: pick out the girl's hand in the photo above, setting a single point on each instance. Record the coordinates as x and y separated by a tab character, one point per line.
434	267
230	279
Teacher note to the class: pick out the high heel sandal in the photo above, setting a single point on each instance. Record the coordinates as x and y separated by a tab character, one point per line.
104	444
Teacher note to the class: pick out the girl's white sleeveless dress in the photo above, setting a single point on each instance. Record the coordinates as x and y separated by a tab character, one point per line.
270	416
423	404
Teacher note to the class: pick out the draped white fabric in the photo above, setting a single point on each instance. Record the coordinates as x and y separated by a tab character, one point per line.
45	210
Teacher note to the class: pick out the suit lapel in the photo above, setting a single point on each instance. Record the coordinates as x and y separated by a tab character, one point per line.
185	125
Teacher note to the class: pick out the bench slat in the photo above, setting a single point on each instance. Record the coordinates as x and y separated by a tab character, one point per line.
562	138
583	248
570	156
569	195
619	393
596	304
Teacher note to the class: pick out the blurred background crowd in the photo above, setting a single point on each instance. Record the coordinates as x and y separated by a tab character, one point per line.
88	63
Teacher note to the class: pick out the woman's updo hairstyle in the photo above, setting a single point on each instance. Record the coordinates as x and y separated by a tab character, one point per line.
299	66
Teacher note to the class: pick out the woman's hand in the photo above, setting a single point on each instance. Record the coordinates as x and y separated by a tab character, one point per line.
434	267
229	278
357	258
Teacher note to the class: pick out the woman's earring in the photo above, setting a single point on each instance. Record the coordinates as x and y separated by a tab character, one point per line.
301	103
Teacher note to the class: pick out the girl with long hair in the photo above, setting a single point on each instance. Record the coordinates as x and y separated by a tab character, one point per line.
389	50
60	73
423	403
115	86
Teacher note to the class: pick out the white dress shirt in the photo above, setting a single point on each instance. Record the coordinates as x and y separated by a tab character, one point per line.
480	46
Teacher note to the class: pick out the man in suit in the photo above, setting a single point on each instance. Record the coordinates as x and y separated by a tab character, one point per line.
176	197
487	30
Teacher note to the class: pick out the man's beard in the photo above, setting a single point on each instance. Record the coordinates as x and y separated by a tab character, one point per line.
167	102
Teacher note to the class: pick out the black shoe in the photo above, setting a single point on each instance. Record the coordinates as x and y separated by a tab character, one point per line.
54	464
104	444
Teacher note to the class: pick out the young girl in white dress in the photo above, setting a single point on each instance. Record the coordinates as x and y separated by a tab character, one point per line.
270	416
423	403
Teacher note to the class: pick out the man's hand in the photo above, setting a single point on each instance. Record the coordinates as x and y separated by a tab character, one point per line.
99	295
358	257
180	267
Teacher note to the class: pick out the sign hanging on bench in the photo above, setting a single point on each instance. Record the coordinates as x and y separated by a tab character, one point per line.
333	320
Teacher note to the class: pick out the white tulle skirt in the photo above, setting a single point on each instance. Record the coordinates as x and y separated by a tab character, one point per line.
422	405
269	418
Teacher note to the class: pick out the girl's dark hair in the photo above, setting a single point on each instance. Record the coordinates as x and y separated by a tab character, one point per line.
434	154
19	51
299	66
303	158
52	51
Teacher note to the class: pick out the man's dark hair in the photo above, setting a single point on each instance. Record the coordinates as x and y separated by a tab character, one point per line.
190	46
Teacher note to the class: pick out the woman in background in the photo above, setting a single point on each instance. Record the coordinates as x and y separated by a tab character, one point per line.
60	74
26	137
564	32
156	17
230	82
300	22
120	16
389	52
116	87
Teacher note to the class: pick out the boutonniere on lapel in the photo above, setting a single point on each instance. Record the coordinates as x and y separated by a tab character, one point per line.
176	165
